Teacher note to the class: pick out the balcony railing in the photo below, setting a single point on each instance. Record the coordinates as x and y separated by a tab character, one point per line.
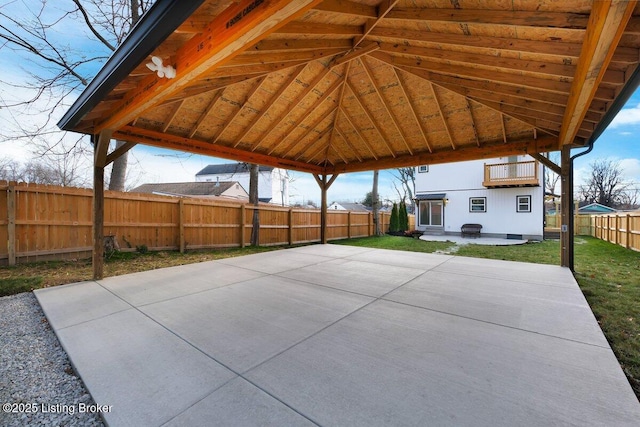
515	174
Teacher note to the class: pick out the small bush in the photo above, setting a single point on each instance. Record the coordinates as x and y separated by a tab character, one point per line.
394	224
143	249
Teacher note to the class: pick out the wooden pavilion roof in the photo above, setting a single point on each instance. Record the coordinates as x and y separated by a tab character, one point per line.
349	85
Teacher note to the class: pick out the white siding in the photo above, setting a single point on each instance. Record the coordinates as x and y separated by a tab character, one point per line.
270	183
463	180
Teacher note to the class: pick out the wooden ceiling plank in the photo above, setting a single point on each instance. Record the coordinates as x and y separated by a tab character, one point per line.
373	121
211	85
382	10
347	142
338	152
606	26
318	147
555	48
232	119
158	139
497	149
172	115
384	103
241	24
412	108
288	45
477	73
345	7
327	93
276	96
444	120
261	58
539	67
357	131
296	27
292	107
544	19
205	112
354	54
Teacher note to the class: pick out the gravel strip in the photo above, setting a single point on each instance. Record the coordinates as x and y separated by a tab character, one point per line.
36	378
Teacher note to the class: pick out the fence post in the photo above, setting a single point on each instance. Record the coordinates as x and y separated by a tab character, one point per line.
181	224
11	222
242	224
628	231
369	224
348	224
290	226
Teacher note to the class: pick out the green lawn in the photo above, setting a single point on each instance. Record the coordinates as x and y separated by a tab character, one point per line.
609	276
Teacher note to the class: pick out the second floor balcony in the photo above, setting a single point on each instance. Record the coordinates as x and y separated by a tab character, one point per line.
514	174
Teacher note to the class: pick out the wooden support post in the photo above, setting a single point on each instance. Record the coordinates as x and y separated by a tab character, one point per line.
100	146
566	228
324	186
181	224
290	226
348	224
242	225
11	224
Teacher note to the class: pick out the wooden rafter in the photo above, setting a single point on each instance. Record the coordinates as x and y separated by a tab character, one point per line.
279	57
504	129
347	142
345	7
382	10
209	49
311	128
276	123
276	96
442	116
473	122
111	157
372	120
320	29
604	30
231	119
412	108
293	44
205	112
357	132
163	140
355	53
317	147
172	115
327	93
384	103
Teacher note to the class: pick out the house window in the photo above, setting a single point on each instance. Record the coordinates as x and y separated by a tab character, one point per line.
523	204
477	204
423	168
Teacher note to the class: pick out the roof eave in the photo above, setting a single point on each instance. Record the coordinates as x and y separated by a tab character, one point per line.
154	27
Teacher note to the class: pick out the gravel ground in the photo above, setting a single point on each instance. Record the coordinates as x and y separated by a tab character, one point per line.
36	378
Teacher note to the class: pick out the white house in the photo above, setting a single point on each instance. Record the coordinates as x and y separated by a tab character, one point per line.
273	183
504	195
345	206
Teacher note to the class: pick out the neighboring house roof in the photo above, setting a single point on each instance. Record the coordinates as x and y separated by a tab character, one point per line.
596	208
434	196
230	168
188	188
355	207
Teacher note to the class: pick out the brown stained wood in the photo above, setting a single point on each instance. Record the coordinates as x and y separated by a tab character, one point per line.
111	157
473	122
278	57
504	130
211	48
347	142
354	54
311	128
345	7
231	120
372	120
320	28
606	25
276	96
383	8
384	103
157	139
287	45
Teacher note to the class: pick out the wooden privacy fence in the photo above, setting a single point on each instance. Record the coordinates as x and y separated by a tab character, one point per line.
622	229
48	222
581	224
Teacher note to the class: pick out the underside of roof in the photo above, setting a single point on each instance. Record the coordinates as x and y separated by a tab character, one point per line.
337	86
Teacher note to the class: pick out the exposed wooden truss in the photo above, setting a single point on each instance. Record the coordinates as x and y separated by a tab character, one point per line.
347	85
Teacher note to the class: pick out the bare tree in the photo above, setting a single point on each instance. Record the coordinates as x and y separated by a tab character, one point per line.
55	69
551	178
406	178
605	185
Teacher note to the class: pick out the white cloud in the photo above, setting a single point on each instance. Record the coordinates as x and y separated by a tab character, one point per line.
627	116
631	169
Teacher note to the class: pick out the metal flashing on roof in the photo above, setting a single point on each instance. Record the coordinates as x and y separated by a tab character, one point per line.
434	196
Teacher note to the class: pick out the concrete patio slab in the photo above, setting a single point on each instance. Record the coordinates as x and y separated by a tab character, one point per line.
245	324
328	335
159	285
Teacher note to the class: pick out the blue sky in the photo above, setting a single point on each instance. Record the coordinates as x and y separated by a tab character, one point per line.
621	141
